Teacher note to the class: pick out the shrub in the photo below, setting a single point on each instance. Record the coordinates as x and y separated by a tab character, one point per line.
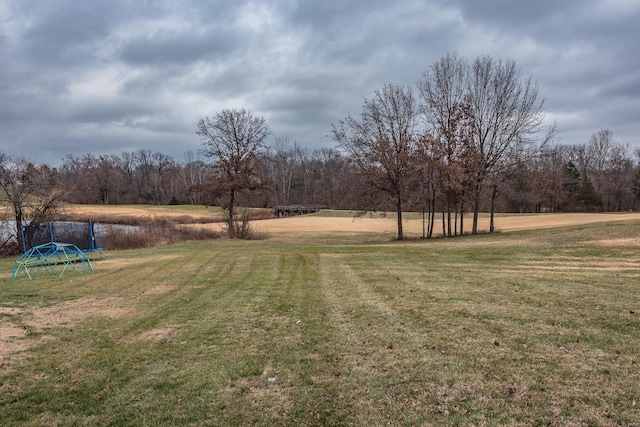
155	231
242	225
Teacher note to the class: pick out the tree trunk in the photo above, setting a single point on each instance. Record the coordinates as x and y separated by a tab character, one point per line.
462	218
432	209
17	210
476	206
455	223
232	202
494	193
399	214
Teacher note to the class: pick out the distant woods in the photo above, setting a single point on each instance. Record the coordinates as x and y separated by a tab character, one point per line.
468	139
599	175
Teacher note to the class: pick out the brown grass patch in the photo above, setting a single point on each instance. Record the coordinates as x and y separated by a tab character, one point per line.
157	334
617	242
95	211
11	341
160	289
134	215
269	397
587	264
414	227
17	323
72	312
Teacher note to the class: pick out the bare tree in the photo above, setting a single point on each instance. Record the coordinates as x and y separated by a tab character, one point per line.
30	191
127	165
443	88
445	104
234	140
549	179
285	160
599	149
72	172
335	176
193	174
506	112
101	174
618	186
382	143
163	167
610	167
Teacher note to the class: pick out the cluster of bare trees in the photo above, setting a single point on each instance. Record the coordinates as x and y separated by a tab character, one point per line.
599	175
287	172
468	140
139	176
479	119
298	175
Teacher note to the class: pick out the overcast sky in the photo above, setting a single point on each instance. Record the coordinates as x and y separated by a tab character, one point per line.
107	76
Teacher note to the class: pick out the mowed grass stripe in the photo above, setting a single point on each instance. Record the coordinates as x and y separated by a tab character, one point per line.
382	362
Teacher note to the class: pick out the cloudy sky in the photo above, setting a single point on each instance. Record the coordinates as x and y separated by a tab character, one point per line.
107	76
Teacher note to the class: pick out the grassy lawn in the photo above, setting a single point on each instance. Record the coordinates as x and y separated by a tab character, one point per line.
529	328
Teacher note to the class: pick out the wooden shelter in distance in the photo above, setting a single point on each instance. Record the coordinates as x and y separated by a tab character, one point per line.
282	211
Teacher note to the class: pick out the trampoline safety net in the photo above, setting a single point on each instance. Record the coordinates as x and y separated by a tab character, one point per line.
84	235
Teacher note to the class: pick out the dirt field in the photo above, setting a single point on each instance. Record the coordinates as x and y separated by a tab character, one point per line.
142	211
320	224
303	224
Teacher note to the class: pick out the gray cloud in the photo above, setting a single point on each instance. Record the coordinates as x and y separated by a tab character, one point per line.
184	47
108	76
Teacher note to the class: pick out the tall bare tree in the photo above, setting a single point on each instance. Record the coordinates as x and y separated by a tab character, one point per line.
445	104
234	139
610	166
285	159
193	174
382	143
506	113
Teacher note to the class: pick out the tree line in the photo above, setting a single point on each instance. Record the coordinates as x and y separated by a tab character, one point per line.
471	138
468	139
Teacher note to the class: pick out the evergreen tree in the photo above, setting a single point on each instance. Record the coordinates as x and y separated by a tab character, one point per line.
588	195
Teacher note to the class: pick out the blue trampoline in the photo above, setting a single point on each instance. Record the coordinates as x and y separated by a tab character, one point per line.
84	235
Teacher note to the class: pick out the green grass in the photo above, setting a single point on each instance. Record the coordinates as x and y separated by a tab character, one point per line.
529	328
